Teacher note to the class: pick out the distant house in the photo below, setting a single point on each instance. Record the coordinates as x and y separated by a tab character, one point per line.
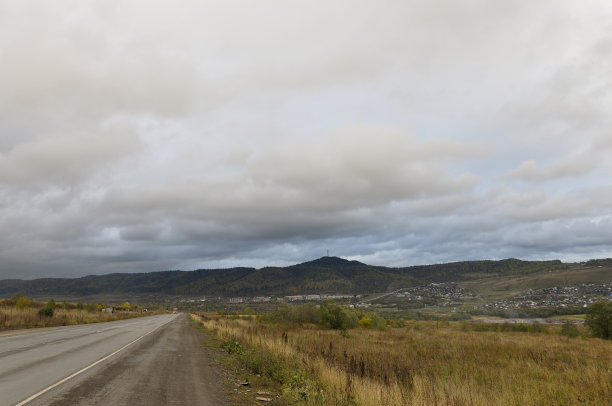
108	310
294	298
313	297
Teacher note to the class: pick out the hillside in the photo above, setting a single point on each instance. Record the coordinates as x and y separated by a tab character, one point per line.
324	275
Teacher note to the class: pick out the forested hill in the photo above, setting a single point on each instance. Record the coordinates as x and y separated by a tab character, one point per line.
324	275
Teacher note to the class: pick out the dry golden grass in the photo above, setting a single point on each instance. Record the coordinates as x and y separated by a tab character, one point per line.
427	365
14	318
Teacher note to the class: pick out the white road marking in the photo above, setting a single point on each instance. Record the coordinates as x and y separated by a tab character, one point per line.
47	389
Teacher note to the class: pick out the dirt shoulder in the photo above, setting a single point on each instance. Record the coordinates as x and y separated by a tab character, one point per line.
169	367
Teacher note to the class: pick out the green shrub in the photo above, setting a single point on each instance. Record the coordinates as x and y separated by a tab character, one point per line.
306	313
569	329
338	317
365	322
373	320
264	363
599	319
378	322
233	347
46	312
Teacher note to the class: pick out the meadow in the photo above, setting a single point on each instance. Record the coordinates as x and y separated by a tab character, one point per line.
20	314
416	363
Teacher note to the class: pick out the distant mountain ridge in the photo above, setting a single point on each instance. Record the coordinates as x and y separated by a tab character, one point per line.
323	275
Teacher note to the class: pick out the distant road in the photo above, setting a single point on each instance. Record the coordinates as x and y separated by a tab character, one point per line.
155	360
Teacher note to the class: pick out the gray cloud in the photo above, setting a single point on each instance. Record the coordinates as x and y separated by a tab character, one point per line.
63	159
135	136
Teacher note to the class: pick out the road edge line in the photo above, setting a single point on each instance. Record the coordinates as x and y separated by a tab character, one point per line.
58	383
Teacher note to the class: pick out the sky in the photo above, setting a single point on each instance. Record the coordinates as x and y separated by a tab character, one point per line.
140	136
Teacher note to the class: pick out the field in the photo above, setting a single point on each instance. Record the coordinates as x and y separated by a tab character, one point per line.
419	363
27	316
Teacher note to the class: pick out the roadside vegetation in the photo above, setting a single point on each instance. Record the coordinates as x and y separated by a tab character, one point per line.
335	355
21	312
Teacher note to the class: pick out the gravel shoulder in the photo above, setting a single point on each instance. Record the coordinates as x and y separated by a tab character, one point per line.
169	367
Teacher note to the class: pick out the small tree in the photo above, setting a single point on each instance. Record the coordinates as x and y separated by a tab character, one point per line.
51	303
599	319
48	310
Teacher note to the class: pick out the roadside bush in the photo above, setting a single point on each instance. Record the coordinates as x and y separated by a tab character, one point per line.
233	346
51	304
46	312
264	363
599	319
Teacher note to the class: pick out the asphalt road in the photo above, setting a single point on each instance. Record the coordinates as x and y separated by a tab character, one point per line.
156	360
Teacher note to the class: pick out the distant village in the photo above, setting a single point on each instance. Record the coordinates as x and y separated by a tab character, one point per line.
450	294
269	299
577	296
443	294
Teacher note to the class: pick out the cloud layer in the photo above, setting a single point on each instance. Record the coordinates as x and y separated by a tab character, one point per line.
138	136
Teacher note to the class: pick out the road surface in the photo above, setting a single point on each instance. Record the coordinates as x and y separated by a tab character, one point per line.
155	360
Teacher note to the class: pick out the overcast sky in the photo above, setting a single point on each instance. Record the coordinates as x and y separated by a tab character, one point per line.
151	135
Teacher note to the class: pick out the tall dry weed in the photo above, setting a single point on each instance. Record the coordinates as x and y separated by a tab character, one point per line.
430	365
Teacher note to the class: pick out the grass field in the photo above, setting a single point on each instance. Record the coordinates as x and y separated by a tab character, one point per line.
421	363
12	317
